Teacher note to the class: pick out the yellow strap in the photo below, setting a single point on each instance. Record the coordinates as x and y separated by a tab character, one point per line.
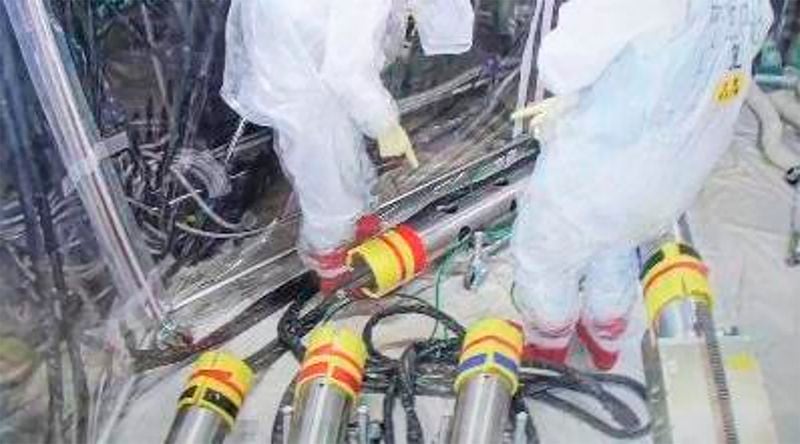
341	349
675	277
487	338
382	262
241	375
681	284
224	374
405	252
344	339
500	328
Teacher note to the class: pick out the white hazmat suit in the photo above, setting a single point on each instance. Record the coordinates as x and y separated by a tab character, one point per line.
655	87
310	69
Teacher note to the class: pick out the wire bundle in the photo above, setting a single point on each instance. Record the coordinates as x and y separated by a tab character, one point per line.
427	367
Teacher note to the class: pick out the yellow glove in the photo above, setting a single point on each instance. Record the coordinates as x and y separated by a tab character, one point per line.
17	360
394	142
543	114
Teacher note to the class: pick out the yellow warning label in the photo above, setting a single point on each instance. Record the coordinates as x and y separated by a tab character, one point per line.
730	86
742	362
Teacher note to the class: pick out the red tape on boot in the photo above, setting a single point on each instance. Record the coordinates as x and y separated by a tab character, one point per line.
368	226
328	286
602	359
533	353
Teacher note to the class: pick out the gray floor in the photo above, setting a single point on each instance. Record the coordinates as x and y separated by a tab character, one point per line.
741	225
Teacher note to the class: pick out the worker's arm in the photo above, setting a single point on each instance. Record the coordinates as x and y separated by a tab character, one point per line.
591	33
353	61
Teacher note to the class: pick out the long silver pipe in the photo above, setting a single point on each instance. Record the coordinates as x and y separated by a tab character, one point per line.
510	156
440	226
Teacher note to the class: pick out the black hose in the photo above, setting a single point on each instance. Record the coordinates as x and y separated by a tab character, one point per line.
400	374
427	367
264	307
401	378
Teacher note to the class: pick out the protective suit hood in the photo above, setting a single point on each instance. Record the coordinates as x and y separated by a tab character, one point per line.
445	26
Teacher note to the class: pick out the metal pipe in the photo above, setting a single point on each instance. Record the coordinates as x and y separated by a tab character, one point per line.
327	385
676	318
486	381
322	415
208	406
77	139
439	226
481	406
520	421
678	300
516	155
363	424
793	259
287	412
197	426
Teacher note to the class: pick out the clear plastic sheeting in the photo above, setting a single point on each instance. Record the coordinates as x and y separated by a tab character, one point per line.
171	225
77	140
62	316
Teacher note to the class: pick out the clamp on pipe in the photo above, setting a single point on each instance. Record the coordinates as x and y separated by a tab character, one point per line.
219	383
673	272
214	394
394	258
328	384
336	356
491	346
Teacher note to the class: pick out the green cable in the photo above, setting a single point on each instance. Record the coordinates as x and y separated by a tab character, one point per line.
452	250
495	234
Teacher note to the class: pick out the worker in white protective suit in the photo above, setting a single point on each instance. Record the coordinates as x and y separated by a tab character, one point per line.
310	69
646	96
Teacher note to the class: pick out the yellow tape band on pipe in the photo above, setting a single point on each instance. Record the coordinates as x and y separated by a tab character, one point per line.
219	382
491	346
392	260
674	272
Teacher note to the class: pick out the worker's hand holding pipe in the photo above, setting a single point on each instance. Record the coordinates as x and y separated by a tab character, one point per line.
394	142
543	114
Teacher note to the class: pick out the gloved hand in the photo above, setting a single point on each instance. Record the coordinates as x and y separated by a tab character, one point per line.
543	114
394	142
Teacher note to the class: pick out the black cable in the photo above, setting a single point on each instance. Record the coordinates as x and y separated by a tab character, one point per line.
540	387
400	374
422	309
428	367
255	313
403	384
